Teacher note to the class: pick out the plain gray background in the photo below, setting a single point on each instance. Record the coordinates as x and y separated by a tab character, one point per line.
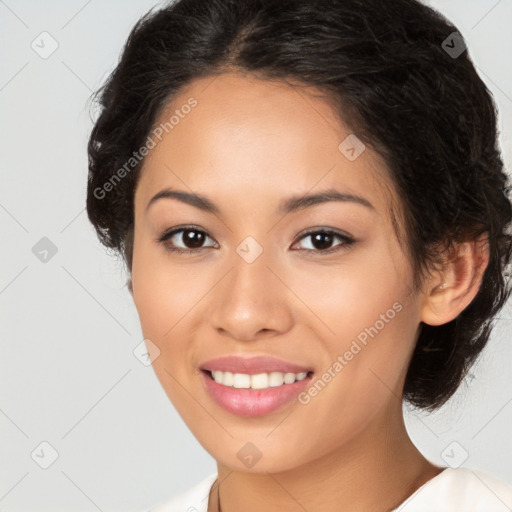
68	325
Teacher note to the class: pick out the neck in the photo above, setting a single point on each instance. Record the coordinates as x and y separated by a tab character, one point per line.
376	471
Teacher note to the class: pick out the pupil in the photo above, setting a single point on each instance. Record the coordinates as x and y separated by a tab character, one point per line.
322	240
194	239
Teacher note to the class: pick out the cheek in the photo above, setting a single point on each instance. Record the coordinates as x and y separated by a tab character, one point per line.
377	356
351	295
163	291
362	379
368	321
167	295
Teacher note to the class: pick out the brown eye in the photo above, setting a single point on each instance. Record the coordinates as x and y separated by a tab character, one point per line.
322	240
191	238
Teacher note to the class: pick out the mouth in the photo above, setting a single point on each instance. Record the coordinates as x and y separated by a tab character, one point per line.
253	395
264	380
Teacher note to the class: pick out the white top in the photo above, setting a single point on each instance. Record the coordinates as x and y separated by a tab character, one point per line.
454	489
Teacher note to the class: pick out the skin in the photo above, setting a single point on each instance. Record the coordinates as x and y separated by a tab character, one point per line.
247	145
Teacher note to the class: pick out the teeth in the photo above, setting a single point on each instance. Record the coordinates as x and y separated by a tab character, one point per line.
241	380
276	379
227	378
258	381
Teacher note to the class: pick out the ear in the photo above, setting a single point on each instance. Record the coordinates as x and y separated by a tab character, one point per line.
450	290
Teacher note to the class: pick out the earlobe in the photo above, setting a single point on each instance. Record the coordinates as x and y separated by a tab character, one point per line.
451	290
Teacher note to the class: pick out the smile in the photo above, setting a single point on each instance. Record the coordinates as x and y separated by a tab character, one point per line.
276	389
258	381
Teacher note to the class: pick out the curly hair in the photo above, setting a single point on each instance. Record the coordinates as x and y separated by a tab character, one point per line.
387	69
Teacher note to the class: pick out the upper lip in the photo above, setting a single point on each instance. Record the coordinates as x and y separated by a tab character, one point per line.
253	365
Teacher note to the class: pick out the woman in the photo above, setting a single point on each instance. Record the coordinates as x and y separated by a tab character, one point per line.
313	210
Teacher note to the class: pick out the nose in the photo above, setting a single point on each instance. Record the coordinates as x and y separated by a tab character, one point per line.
252	301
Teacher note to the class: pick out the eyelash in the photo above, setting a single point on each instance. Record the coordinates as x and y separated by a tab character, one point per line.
347	241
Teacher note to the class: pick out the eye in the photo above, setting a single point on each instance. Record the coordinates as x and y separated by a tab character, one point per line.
322	239
190	236
193	239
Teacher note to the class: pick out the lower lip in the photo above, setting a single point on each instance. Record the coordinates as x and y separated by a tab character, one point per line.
253	402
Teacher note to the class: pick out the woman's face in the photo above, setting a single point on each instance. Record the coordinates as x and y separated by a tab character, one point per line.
261	281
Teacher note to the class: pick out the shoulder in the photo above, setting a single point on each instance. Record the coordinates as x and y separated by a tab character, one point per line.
460	489
194	499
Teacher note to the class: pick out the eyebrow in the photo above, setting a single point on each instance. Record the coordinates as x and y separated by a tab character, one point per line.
291	204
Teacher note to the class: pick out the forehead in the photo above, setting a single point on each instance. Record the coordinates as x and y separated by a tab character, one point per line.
258	138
